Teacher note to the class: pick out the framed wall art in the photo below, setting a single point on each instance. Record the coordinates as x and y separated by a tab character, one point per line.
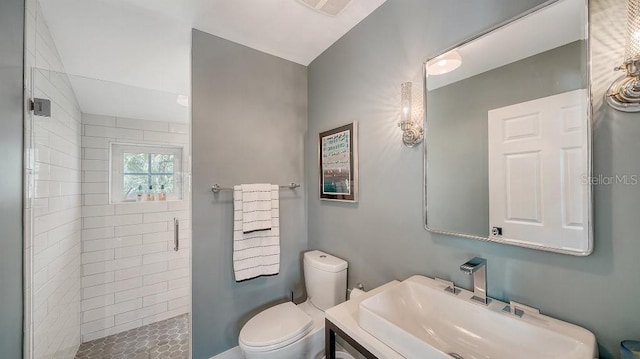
338	163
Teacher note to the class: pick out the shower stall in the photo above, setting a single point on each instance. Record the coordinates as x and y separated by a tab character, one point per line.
107	206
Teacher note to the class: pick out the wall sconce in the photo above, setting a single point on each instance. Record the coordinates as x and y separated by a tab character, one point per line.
624	93
411	129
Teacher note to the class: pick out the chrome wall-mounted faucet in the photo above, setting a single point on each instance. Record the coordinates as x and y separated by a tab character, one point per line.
478	267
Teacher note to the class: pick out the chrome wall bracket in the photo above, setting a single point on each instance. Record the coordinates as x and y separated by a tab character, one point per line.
412	133
624	93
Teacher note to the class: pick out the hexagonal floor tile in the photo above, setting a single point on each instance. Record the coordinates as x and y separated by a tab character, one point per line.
165	339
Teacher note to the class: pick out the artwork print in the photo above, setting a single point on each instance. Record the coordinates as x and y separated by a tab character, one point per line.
338	164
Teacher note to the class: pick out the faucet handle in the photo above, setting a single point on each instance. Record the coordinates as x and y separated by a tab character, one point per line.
519	309
451	288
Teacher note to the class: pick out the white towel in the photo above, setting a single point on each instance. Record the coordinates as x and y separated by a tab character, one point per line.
255	253
256	207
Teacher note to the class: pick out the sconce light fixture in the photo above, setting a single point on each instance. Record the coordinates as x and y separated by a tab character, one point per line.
624	93
411	129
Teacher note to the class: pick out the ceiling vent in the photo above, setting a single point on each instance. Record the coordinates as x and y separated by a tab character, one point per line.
327	7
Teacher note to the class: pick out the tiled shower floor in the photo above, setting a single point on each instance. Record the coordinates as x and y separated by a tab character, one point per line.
165	339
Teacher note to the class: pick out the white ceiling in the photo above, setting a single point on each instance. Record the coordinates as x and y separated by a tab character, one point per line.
146	44
125	101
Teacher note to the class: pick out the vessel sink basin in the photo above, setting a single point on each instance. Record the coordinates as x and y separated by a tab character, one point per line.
419	319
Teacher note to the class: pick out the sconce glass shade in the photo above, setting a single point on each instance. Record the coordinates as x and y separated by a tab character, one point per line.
632	49
624	93
444	63
405	104
411	130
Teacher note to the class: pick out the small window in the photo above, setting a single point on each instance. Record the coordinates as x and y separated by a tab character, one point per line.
136	168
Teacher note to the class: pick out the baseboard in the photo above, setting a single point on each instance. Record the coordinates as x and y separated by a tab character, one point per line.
233	353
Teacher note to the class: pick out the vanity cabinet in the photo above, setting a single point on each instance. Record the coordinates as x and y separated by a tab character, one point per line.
331	330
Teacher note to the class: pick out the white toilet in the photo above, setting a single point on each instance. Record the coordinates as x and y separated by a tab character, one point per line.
289	331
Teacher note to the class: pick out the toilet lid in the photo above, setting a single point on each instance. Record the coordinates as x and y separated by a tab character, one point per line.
276	327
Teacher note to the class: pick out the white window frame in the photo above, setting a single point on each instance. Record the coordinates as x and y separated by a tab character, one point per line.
116	169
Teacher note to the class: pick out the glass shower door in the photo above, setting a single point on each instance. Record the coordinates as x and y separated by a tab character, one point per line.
54	217
110	234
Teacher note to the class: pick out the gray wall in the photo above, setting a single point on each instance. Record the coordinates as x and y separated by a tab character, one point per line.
249	125
382	236
457	136
11	112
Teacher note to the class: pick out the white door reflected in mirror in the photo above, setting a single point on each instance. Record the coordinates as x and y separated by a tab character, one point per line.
537	152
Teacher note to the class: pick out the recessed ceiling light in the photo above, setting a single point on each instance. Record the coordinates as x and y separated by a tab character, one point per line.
444	63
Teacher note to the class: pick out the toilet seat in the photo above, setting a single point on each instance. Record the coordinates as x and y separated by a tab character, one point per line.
275	328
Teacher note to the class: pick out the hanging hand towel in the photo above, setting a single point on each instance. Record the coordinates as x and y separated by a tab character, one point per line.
256	207
255	253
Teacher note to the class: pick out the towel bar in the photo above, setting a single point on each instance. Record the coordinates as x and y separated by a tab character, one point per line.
216	188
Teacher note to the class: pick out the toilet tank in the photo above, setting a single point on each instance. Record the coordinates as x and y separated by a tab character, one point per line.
325	278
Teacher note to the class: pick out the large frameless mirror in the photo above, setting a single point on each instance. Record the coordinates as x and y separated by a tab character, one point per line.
508	147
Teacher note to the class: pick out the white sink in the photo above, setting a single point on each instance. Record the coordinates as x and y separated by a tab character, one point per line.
419	319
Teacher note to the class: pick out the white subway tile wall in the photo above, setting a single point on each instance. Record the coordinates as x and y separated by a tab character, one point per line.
91	267
53	214
131	276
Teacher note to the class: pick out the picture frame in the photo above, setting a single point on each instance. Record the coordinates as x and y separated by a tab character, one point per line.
338	163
